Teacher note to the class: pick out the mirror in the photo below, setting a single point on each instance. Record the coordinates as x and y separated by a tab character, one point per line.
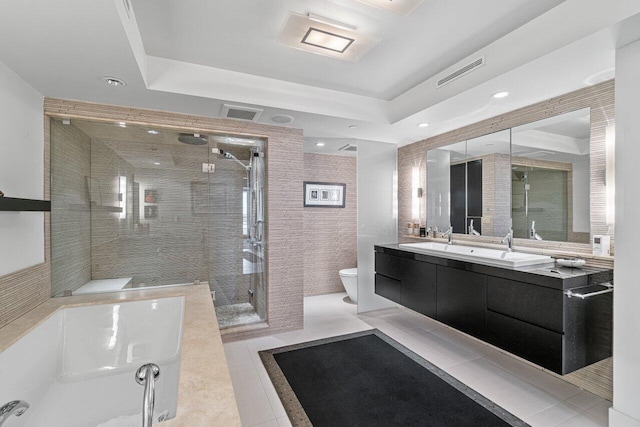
536	176
550	178
468	185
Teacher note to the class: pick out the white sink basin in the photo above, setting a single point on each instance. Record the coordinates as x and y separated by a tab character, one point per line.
493	257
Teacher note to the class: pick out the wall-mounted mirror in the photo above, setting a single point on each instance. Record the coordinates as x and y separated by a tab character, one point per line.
468	185
550	178
535	175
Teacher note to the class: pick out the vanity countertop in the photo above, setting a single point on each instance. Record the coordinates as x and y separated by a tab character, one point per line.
206	394
554	277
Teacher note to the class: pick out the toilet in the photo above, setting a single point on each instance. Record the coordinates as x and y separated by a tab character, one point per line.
349	277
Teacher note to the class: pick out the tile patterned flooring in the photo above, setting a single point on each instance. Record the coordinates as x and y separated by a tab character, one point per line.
538	398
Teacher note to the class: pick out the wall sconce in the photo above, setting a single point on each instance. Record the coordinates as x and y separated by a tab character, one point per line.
394	195
122	196
610	183
415	200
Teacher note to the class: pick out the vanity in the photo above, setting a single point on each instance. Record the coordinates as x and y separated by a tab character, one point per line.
559	318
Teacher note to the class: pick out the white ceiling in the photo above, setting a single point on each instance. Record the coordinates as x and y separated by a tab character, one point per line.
193	56
240	35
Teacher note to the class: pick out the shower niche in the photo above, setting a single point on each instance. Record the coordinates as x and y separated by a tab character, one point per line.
134	207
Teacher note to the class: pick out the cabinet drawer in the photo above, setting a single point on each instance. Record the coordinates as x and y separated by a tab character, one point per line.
533	304
461	300
538	345
419	288
388	288
389	265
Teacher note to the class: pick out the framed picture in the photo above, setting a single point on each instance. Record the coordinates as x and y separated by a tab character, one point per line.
199	197
150	212
150	196
324	194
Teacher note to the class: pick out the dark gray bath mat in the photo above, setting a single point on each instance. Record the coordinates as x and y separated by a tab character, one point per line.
368	379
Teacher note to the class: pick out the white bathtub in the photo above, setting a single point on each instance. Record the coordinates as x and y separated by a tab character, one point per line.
77	367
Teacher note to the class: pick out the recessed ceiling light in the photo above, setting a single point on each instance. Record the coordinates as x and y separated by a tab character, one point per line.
326	40
281	118
152	132
499	95
423	125
353	126
122	124
325	37
319	144
114	81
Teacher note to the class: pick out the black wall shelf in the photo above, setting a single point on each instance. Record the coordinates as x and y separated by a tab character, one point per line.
24	205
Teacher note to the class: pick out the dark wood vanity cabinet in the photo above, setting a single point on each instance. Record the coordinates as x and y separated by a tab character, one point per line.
525	313
461	297
408	282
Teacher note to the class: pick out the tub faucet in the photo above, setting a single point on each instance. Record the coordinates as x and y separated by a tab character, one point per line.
15	407
449	233
147	376
508	239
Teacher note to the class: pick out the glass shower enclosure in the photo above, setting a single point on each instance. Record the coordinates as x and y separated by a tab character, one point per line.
135	206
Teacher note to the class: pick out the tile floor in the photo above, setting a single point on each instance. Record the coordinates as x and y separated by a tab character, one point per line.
531	394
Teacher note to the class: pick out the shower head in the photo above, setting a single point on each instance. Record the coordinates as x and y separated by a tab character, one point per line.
192	139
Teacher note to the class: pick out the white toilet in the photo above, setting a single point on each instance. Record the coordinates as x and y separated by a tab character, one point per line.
349	277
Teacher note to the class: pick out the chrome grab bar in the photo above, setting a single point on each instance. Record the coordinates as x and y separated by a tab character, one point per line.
147	376
15	407
609	289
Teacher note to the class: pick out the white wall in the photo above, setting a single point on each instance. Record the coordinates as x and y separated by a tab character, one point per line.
21	171
377	165
626	322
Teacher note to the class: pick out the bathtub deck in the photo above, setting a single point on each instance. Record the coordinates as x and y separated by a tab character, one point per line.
206	393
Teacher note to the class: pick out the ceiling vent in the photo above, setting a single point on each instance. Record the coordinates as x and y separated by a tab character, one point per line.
241	113
461	72
349	147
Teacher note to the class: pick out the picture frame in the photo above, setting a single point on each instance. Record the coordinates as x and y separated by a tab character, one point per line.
151	212
150	196
324	194
199	198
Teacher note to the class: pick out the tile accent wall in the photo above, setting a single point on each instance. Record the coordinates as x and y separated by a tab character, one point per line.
24	290
599	97
330	235
70	209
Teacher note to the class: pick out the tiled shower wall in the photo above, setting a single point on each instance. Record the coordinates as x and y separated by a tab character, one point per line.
599	97
330	242
178	243
70	211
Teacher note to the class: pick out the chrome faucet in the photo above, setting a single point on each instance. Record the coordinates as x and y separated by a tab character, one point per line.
449	233
532	233
15	407
508	239
472	230
147	376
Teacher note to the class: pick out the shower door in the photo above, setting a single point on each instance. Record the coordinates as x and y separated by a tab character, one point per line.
236	223
540	196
